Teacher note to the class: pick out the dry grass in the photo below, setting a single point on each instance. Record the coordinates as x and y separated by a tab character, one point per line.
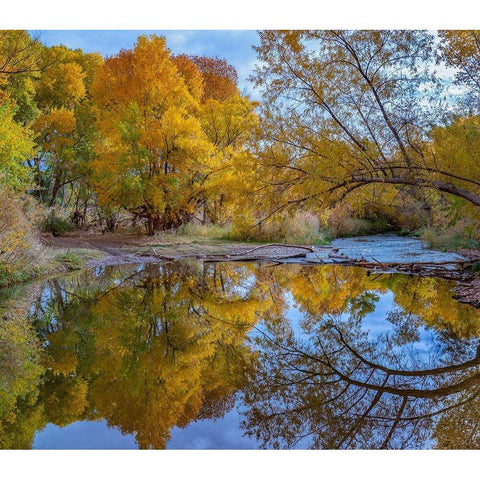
300	227
19	243
464	234
22	255
205	231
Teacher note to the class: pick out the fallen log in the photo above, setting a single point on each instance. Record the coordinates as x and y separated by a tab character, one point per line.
162	257
284	245
253	258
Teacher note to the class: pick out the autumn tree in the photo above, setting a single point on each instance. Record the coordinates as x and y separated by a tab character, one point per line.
16	146
220	79
151	144
18	57
63	136
168	125
230	122
230	126
19	53
460	49
346	110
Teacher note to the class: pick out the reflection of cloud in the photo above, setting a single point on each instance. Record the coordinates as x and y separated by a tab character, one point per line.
444	72
222	433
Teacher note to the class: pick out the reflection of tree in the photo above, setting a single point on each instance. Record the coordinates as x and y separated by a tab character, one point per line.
424	301
459	429
331	385
147	349
20	371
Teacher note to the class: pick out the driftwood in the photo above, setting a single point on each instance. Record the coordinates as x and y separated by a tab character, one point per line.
454	269
252	258
365	263
162	257
247	256
450	269
283	245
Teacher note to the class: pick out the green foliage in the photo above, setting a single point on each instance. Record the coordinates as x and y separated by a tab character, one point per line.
56	225
476	268
70	260
16	146
146	138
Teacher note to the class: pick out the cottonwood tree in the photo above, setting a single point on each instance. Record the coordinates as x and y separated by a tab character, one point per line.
344	110
151	143
220	78
161	140
62	131
19	53
460	49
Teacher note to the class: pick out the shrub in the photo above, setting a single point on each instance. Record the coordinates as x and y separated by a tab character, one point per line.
299	228
464	234
205	231
56	225
476	268
19	245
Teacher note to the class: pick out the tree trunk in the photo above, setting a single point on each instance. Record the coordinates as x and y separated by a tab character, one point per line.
55	189
415	182
150	226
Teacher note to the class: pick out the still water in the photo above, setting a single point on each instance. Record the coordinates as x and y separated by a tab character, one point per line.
228	355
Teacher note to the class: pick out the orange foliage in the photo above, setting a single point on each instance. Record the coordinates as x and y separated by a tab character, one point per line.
220	78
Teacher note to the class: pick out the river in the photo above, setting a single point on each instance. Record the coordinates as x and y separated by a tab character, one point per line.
193	355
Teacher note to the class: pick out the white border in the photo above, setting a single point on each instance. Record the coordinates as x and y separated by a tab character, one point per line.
232	465
243	14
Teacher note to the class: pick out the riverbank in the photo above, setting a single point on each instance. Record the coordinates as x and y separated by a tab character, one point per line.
51	261
376	253
82	250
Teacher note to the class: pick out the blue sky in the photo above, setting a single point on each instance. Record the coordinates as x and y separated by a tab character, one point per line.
233	45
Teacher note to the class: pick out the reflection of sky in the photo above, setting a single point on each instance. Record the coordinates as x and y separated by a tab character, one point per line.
226	432
83	435
223	433
378	326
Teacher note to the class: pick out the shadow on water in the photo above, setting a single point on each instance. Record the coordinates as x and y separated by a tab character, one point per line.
193	355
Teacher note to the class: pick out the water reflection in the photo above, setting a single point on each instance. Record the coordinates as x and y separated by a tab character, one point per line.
290	356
